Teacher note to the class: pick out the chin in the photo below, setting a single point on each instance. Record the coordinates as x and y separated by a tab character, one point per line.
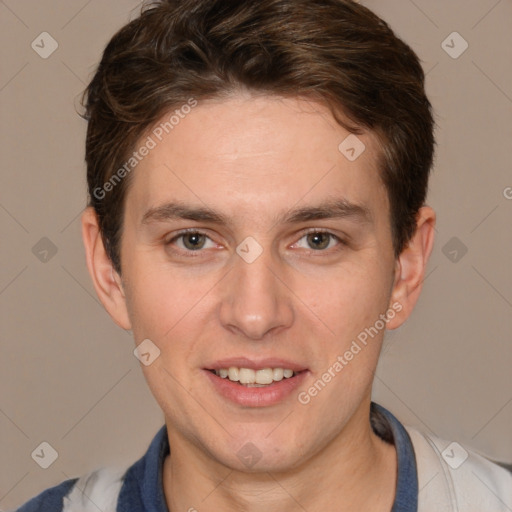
262	455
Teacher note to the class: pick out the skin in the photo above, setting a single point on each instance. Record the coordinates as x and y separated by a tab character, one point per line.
254	158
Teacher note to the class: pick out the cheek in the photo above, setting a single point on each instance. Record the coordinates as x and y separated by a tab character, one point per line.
166	311
169	307
155	303
348	301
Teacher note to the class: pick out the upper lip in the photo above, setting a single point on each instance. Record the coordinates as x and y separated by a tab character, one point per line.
256	364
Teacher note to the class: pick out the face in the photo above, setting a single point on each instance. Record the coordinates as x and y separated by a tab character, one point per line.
251	241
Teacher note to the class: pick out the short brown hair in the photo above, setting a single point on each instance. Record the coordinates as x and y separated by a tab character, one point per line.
332	51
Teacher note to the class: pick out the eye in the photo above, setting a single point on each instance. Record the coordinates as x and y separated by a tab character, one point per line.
318	241
191	241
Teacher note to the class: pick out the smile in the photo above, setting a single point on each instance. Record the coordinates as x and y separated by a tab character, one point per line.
254	378
249	387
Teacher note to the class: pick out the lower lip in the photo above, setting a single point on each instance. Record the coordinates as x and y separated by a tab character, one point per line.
256	396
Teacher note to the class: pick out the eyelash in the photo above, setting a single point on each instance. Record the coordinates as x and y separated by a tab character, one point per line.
190	253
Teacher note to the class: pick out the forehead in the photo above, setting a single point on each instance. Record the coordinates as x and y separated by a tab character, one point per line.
248	155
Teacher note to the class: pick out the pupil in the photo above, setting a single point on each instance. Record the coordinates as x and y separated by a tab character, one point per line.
319	240
194	241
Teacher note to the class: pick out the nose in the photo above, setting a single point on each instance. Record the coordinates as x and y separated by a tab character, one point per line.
255	299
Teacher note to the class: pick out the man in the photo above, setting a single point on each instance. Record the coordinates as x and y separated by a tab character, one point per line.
257	175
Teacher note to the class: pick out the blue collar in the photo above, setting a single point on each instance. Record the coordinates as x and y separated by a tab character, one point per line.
406	494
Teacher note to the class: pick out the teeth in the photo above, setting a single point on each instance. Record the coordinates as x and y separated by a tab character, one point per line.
287	373
265	376
278	374
233	374
254	378
247	376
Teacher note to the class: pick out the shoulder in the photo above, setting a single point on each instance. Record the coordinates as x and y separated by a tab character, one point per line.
452	477
108	489
50	499
97	490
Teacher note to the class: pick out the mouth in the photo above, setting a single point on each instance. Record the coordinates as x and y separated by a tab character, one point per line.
251	384
251	378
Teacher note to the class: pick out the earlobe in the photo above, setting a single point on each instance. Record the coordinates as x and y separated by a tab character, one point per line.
106	280
411	266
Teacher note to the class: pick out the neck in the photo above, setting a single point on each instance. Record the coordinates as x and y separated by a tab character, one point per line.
355	471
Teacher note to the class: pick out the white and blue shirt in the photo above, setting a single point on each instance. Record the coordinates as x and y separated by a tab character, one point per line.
140	487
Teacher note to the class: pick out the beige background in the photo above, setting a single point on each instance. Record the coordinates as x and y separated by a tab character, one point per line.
68	375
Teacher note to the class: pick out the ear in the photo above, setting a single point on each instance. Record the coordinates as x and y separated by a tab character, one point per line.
410	268
106	280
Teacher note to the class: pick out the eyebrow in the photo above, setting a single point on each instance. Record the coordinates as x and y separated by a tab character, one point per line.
329	209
